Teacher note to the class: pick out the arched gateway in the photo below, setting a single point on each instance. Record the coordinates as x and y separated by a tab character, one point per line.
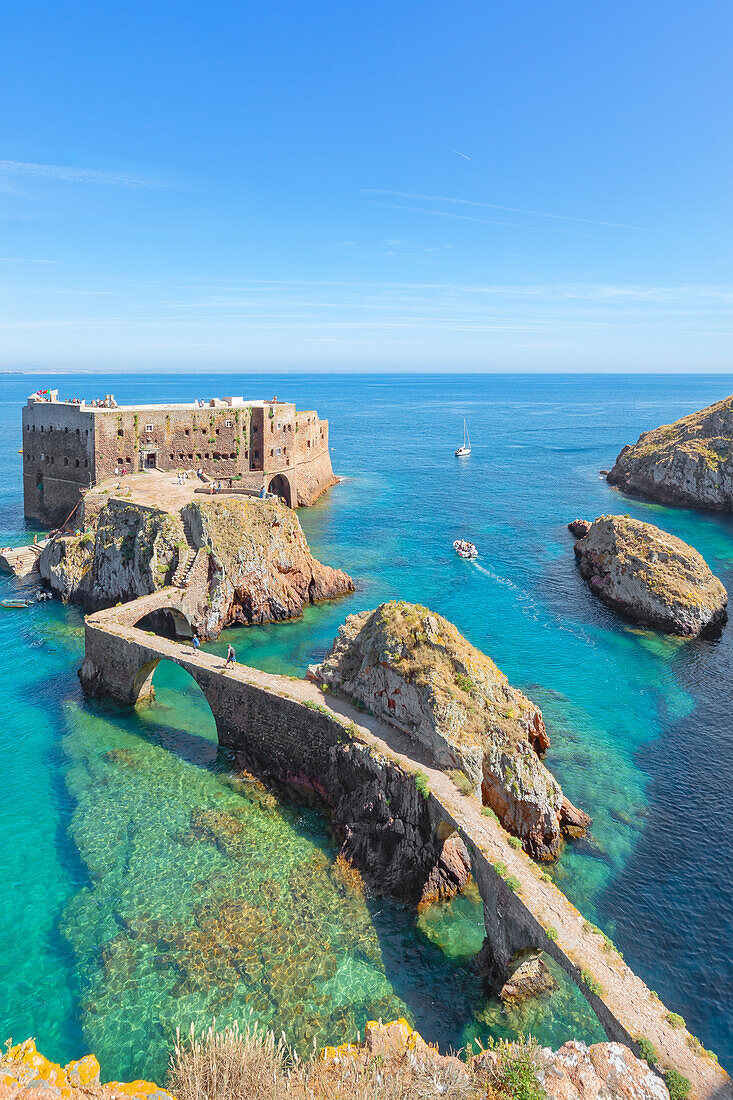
280	487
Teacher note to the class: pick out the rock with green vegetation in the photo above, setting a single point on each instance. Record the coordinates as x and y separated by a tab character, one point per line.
651	576
417	671
257	564
689	462
124	551
260	567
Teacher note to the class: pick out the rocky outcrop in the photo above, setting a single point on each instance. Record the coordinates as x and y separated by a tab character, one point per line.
259	566
689	462
578	528
414	669
651	576
25	1072
604	1071
529	977
388	830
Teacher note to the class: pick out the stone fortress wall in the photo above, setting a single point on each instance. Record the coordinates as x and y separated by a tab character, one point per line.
69	446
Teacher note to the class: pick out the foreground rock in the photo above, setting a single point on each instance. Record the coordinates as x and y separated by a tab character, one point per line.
25	1072
259	566
416	670
604	1071
651	576
689	462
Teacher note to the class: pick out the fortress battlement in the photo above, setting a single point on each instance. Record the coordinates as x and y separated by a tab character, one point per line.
71	445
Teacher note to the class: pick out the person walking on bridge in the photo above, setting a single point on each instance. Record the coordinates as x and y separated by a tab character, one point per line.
195	642
231	657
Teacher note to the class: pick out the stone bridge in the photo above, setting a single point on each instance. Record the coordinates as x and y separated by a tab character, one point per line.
289	727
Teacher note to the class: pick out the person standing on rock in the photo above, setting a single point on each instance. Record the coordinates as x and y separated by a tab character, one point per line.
231	657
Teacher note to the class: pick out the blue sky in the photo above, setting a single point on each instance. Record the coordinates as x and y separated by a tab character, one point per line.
366	185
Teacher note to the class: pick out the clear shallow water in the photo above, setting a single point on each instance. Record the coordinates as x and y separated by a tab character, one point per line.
136	864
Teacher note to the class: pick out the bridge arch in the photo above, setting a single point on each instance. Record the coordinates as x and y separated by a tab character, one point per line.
168	622
280	486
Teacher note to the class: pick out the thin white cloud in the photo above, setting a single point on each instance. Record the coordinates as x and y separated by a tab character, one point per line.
66	174
507	209
24	260
467	217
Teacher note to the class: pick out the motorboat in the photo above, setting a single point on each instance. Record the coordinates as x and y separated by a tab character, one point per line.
465	549
466	448
15	603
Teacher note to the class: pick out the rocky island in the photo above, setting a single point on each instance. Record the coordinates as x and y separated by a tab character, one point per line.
417	671
250	557
689	462
649	575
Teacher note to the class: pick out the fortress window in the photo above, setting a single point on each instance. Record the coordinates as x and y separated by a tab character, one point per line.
33	428
66	429
172	457
234	454
206	455
120	431
187	431
271	452
78	432
216	432
128	460
41	427
148	427
190	457
277	451
227	423
77	463
66	462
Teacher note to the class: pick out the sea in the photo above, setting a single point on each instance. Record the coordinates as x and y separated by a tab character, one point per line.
148	887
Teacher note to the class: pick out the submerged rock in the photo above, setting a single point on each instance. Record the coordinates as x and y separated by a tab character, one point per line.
651	576
416	670
257	568
689	462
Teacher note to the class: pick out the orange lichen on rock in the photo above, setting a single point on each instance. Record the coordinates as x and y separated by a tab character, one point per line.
24	1070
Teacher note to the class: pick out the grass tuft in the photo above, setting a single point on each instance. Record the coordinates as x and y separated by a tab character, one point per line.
679	1086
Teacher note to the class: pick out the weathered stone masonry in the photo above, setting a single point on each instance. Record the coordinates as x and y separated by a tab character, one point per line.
68	446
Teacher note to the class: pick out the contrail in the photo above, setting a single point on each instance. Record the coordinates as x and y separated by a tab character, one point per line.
460	154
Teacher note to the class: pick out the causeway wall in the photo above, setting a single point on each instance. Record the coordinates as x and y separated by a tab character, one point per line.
288	729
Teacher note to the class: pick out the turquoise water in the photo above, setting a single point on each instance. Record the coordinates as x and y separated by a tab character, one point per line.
148	886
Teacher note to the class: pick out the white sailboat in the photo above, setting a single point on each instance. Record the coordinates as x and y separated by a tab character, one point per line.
466	448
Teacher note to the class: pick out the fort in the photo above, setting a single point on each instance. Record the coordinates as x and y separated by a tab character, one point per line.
69	446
